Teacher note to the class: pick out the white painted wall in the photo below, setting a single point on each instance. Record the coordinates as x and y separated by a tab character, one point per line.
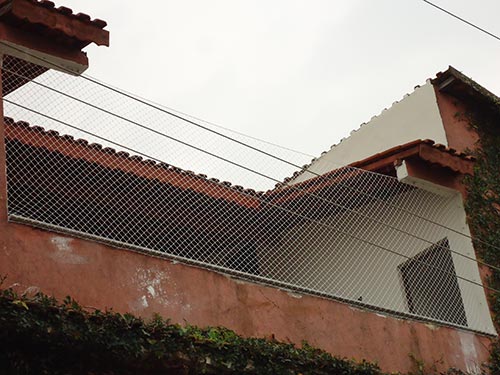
414	117
342	255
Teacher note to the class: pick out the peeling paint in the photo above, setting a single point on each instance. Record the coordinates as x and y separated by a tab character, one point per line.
152	282
432	327
468	347
64	252
151	291
240	281
139	304
186	307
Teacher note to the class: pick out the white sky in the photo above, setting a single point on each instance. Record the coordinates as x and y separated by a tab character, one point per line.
302	74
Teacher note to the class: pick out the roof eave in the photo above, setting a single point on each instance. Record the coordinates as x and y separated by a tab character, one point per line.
74	27
457	84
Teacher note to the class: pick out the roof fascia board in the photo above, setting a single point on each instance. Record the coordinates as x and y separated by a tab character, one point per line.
38	50
435	156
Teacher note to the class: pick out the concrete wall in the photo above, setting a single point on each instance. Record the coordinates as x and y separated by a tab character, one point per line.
102	277
414	117
353	255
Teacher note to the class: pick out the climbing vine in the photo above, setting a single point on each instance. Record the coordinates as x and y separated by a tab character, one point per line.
38	335
483	206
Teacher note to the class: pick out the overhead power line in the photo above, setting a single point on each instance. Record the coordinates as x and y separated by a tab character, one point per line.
216	125
462	19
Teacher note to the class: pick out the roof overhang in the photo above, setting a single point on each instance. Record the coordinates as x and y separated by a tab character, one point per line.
36	34
423	159
458	85
76	30
423	150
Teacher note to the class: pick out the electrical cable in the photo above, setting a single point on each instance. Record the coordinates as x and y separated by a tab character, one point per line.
462	19
260	199
211	123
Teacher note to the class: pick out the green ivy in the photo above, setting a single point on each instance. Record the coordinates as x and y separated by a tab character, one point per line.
483	206
38	335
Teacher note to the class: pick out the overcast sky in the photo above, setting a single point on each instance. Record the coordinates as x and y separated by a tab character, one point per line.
302	74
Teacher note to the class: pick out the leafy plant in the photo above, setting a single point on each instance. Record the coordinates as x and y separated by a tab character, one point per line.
483	207
38	335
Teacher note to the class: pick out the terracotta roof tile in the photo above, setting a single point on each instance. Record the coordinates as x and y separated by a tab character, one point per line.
397	149
69	12
246	193
457	84
449	150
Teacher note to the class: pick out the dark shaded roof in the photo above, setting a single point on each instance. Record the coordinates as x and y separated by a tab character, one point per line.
80	149
53	178
457	84
42	17
51	140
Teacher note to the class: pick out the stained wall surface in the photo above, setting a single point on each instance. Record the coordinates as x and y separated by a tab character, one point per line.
102	277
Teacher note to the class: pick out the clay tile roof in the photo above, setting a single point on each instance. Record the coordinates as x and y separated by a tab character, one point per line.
457	84
42	17
69	12
383	162
427	150
449	150
39	137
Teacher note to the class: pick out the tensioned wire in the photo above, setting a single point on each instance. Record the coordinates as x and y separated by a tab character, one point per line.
304	169
294	187
132	95
462	19
260	199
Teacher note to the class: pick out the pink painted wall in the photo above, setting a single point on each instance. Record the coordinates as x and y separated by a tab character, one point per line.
102	277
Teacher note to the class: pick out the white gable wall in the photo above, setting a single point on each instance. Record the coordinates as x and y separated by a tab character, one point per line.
343	255
415	117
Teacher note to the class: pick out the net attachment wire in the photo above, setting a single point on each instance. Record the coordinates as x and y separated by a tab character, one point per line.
76	162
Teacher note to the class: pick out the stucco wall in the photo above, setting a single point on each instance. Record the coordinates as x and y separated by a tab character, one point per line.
459	134
102	277
416	116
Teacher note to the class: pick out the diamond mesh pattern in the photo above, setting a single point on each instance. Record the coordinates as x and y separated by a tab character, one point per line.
101	172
